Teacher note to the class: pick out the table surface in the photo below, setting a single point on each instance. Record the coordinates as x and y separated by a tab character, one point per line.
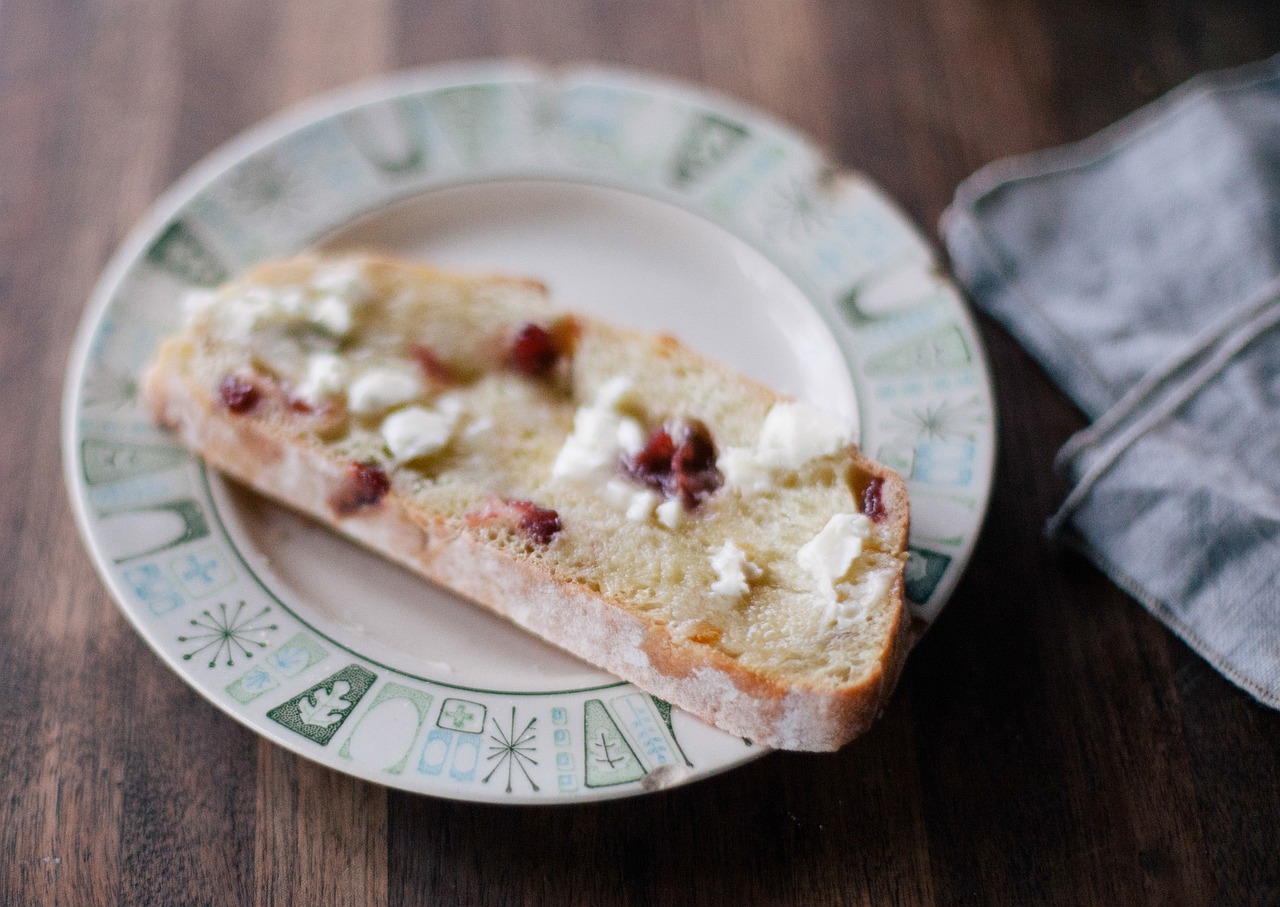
1050	743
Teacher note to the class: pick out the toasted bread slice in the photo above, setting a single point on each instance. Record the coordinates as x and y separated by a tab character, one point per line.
614	492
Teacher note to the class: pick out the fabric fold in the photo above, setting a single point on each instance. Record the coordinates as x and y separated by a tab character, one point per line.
1141	268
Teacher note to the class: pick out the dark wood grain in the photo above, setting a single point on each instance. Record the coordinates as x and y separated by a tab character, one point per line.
1050	743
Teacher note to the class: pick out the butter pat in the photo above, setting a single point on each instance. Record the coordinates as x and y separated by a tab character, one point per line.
416	431
829	554
380	389
733	571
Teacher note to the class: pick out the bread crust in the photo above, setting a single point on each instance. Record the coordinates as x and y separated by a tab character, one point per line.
773	711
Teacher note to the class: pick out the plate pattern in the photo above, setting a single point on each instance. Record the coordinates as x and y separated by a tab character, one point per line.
153	525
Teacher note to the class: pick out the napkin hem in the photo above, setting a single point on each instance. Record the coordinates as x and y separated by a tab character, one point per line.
1108	140
1151	403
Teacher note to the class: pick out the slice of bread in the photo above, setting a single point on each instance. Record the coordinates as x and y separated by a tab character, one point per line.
614	492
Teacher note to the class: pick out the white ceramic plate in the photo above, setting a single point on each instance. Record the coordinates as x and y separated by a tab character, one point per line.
649	203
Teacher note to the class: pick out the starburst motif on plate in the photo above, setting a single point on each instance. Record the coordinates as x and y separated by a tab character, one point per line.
942	420
512	750
795	208
227	633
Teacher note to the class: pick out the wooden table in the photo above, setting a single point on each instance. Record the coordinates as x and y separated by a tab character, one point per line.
1050	743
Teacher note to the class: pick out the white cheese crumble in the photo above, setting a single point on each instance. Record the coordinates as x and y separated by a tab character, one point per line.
326	377
795	433
670	514
416	431
792	434
613	393
344	279
743	469
332	315
600	433
829	554
239	316
196	302
630	436
858	597
478	427
450	404
733	571
326	303
380	389
618	492
642	505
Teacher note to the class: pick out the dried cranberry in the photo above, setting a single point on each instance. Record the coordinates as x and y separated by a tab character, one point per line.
433	367
541	523
694	475
534	351
238	393
872	504
679	460
651	465
364	485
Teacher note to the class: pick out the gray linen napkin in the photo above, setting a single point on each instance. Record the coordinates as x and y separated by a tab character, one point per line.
1141	267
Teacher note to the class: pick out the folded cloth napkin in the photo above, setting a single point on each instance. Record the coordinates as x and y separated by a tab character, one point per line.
1141	267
